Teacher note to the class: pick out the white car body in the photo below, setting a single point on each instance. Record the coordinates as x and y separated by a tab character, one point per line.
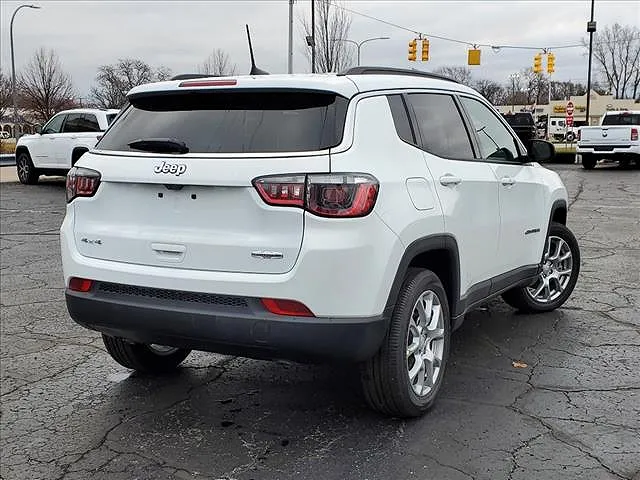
186	249
614	138
65	137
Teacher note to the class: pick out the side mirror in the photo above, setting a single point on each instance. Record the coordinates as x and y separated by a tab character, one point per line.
542	151
38	129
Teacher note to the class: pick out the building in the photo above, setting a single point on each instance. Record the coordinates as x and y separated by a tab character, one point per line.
600	104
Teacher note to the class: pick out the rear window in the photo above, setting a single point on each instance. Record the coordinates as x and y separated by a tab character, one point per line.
519	119
622	119
233	122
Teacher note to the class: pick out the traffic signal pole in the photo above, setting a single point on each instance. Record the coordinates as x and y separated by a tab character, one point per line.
591	28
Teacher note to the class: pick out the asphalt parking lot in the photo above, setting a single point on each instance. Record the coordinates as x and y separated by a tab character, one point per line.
571	412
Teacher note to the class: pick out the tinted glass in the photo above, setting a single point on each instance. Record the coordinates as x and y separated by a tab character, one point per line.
54	125
441	126
90	123
496	142
401	118
110	117
233	122
622	119
73	123
519	119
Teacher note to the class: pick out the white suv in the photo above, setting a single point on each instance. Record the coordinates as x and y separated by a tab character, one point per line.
352	217
60	143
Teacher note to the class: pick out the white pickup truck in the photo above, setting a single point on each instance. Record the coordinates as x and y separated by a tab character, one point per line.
615	139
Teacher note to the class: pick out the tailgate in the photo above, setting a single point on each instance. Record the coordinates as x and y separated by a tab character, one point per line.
606	135
197	208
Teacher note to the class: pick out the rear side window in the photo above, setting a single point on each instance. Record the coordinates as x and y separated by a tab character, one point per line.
622	119
233	122
90	123
441	126
110	117
401	118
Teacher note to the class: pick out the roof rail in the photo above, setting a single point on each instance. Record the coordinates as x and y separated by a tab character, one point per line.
393	71
188	76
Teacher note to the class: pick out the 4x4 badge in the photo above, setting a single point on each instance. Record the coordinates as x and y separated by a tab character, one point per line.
176	169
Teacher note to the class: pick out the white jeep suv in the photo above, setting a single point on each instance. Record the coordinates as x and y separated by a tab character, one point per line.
353	217
60	143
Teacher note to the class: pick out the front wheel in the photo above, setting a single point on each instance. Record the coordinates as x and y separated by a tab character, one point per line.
144	358
404	377
558	275
27	173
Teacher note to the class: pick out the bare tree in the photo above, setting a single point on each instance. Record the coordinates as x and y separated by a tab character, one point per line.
564	90
5	94
459	74
113	82
332	29
44	87
218	63
616	51
492	91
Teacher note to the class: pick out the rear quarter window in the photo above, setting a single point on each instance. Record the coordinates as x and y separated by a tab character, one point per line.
233	122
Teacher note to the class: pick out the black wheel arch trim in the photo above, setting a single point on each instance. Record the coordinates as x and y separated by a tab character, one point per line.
75	151
425	245
557	205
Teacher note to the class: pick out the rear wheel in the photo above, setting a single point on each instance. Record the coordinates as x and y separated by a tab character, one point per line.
588	162
27	173
142	357
404	377
557	278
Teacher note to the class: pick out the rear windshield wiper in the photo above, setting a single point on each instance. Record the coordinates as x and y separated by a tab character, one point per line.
159	145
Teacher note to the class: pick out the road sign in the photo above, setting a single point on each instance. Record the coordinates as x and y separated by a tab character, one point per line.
570	109
569	121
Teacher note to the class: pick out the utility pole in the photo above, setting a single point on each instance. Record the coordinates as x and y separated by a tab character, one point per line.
290	62
313	36
591	28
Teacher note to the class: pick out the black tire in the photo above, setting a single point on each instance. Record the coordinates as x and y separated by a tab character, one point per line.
27	173
141	357
521	299
570	137
385	379
588	162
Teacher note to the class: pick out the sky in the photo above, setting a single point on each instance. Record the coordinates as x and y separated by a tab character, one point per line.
181	34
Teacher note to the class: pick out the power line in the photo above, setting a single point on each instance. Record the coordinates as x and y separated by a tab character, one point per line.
463	42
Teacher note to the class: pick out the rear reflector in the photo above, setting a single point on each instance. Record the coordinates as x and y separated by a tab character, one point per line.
634	134
290	308
82	182
337	195
80	284
208	83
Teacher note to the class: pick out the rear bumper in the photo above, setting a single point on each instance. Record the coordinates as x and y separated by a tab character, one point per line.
228	325
626	150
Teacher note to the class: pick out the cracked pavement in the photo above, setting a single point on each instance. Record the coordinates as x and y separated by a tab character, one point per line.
70	412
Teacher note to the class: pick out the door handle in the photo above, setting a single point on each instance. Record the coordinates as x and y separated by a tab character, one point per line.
447	180
507	181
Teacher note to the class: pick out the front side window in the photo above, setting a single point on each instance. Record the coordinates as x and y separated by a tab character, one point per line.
496	142
54	125
249	121
73	123
441	126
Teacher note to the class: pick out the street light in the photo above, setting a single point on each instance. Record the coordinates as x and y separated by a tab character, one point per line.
13	66
359	44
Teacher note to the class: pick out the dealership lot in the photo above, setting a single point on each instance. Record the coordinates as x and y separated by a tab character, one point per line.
548	396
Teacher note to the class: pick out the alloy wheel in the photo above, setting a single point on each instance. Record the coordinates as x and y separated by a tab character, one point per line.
554	277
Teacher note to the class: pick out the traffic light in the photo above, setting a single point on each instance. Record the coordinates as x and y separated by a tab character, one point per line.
551	63
425	50
537	63
413	48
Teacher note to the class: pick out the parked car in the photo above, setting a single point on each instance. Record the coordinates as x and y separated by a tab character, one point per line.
60	143
354	217
615	139
524	125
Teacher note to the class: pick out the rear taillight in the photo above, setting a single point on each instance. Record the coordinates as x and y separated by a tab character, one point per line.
634	134
289	308
338	195
82	182
80	284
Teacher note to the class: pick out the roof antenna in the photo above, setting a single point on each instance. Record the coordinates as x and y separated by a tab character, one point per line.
254	70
